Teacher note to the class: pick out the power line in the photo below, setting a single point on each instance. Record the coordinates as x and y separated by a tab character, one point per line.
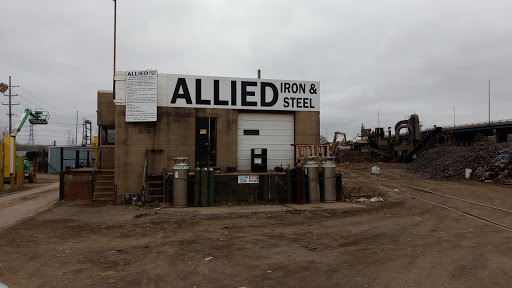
45	102
52	112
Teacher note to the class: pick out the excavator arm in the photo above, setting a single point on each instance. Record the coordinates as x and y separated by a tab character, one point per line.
335	144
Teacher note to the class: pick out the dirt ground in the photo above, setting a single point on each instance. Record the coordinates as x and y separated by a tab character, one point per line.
401	242
42	179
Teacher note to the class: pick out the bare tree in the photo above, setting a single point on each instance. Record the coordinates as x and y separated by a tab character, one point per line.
323	140
4	130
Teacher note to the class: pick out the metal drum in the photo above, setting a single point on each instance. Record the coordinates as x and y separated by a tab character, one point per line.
329	178
179	185
311	167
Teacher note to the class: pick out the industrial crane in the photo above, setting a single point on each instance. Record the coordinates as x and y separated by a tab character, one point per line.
37	117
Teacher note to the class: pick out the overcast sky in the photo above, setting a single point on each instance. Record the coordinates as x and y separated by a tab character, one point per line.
390	58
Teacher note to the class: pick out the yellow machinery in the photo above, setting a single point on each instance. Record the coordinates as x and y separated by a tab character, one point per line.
335	143
95	150
9	147
9	158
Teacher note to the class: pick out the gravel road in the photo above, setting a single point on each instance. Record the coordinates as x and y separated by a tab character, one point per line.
16	206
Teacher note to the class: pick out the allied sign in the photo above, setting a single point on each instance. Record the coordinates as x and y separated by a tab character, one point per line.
141	96
240	93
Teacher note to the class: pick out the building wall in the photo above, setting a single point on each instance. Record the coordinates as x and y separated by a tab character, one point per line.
106	157
105	108
173	135
307	127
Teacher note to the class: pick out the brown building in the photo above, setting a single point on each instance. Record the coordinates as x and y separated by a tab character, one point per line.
215	121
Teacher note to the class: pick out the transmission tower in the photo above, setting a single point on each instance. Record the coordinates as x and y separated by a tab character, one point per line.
31	142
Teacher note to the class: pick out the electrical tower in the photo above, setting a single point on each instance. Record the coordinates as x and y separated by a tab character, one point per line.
31	142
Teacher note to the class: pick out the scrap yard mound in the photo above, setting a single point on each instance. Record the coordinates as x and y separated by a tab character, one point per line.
487	161
353	156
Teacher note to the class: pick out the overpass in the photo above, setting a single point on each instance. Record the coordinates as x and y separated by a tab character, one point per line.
463	135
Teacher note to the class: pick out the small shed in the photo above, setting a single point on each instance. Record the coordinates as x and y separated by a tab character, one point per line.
69	157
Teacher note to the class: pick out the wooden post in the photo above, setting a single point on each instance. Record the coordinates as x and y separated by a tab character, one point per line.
20	176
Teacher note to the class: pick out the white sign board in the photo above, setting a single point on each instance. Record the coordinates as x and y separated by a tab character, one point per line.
141	96
240	93
248	179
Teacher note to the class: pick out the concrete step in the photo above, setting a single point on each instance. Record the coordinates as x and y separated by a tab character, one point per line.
105	172
105	178
104	189
103	196
104	184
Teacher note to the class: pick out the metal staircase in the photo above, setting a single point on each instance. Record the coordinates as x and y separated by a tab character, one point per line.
154	186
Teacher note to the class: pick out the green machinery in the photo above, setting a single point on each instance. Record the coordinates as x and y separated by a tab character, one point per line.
37	117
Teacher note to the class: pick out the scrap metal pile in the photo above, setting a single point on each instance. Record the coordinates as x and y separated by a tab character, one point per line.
488	161
353	156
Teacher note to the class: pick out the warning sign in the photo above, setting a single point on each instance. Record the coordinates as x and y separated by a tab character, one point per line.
248	179
141	96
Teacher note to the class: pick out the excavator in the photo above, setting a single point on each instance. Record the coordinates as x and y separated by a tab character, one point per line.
337	144
37	117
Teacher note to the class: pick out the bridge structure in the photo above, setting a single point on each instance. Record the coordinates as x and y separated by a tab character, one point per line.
463	135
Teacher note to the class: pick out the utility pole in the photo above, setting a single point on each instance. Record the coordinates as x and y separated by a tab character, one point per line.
114	75
489	101
10	104
76	128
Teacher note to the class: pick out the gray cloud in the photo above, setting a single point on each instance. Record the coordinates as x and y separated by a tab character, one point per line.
397	57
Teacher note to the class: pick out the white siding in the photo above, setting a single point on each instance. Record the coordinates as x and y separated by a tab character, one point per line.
276	134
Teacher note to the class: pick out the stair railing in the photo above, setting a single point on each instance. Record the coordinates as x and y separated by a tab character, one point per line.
143	190
96	161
